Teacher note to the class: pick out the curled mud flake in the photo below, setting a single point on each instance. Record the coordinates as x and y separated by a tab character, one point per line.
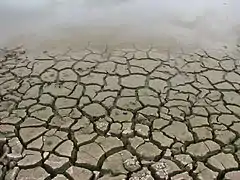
132	164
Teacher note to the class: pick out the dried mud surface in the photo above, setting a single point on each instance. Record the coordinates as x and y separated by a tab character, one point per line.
125	114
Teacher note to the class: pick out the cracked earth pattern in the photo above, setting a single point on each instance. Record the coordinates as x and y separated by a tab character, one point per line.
129	114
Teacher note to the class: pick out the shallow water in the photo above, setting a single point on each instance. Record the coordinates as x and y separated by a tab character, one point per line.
44	24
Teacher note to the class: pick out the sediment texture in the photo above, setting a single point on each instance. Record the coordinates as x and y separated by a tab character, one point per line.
129	114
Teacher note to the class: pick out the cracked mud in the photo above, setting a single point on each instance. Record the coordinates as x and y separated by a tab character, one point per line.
128	114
